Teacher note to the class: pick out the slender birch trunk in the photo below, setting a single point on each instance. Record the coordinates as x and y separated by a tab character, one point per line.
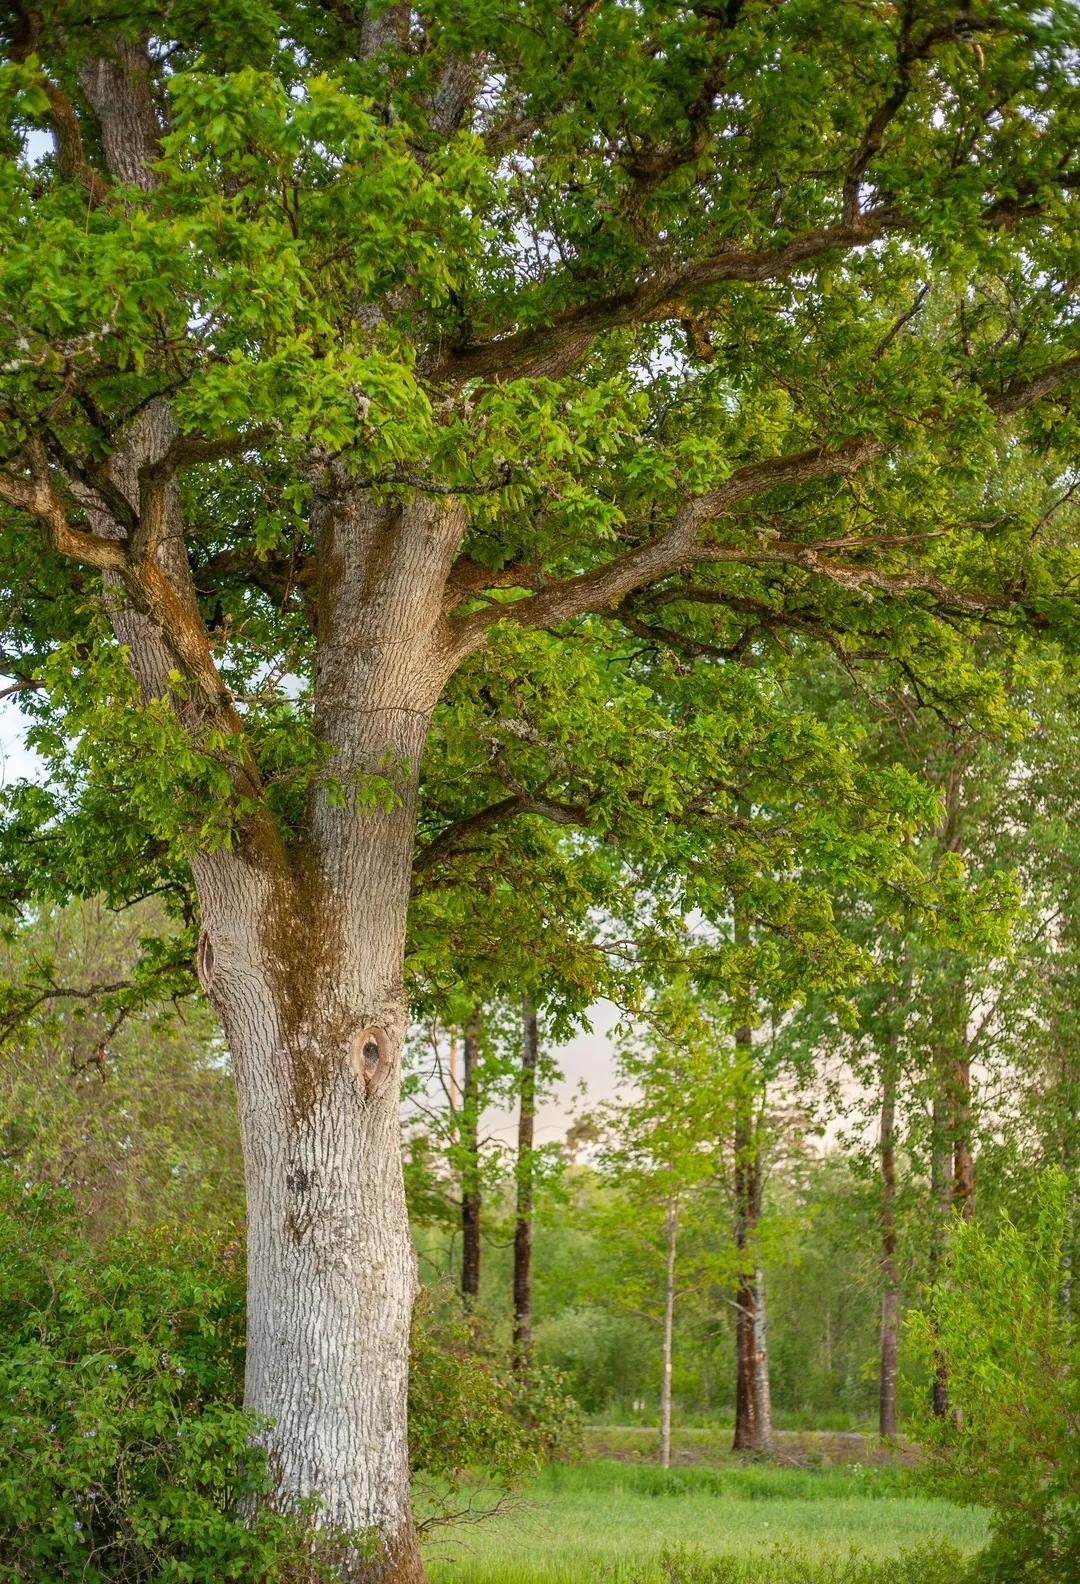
671	1224
890	1280
470	1169
523	1225
762	1388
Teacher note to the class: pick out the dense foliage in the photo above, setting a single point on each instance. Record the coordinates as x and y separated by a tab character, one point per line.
1013	1355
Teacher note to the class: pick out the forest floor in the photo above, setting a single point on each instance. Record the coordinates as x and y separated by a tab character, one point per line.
823	1517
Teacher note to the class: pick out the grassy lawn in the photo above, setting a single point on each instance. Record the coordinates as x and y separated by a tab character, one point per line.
613	1521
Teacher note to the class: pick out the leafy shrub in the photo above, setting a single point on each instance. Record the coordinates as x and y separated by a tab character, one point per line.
122	1451
467	1409
604	1357
1011	1442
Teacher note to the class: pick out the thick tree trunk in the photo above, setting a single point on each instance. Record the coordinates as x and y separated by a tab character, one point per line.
302	958
331	1270
307	978
671	1227
523	1224
890	1280
470	1167
301	951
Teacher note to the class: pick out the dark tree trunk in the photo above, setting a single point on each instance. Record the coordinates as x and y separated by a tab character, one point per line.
941	1205
890	1280
753	1414
523	1225
470	1166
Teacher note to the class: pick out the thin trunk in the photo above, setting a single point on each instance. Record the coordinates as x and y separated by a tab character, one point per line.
753	1417
671	1220
890	1279
941	1204
963	1196
455	1092
470	1167
523	1226
762	1389
1068	1241
1068	1254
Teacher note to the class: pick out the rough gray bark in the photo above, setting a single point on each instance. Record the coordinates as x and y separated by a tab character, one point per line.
671	1228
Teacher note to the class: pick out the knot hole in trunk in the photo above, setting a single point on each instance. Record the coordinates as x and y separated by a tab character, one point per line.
370	1051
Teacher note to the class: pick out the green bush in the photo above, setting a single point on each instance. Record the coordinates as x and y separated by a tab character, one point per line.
605	1357
467	1409
1011	1441
123	1455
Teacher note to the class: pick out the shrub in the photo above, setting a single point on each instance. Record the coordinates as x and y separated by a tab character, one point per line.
605	1357
467	1410
1011	1442
123	1455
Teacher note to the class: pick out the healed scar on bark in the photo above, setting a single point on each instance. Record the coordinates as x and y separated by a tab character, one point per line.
204	961
368	1057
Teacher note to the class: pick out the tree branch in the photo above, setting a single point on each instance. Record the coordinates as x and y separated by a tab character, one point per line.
678	546
36	496
454	837
538	350
548	350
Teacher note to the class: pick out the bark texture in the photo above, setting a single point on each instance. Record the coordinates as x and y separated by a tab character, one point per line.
523	1223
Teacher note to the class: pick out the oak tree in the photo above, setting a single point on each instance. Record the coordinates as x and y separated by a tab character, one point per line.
344	346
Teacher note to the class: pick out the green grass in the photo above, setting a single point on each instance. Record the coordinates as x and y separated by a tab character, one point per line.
613	1522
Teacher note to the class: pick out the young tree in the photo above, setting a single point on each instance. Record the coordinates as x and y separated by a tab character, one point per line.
327	333
753	1403
660	1148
